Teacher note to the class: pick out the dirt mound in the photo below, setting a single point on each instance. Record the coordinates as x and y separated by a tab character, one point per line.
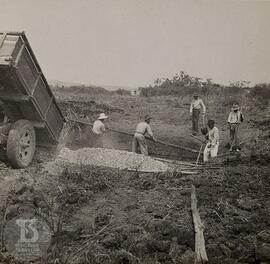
111	158
89	108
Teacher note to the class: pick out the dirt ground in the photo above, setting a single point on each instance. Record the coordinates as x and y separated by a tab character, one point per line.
101	215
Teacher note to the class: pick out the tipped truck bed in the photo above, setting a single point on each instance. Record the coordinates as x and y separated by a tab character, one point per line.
24	91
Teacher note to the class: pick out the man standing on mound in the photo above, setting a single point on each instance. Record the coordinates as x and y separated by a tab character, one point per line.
98	130
195	109
234	120
139	140
211	148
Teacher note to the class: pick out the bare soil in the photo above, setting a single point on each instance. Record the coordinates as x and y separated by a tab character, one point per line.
101	215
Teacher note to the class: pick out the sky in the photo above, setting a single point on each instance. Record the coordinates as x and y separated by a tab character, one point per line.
133	42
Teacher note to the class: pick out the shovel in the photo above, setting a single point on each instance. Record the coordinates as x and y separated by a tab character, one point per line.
200	151
198	157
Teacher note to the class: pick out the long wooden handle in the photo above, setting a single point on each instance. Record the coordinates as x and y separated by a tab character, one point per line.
198	157
132	134
176	146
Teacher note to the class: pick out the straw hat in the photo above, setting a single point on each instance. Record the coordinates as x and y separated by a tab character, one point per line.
102	116
235	107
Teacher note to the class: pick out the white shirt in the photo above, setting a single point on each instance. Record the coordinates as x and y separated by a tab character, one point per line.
98	127
234	117
143	128
197	104
213	135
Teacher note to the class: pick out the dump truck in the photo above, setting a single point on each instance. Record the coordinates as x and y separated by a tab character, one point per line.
29	114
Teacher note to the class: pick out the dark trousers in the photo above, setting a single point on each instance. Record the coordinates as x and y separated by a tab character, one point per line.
195	120
234	135
96	140
139	141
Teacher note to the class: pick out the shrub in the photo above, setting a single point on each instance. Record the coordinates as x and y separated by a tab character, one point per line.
122	92
261	93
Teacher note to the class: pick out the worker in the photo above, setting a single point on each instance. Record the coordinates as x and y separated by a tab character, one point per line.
234	120
195	108
211	148
98	130
139	140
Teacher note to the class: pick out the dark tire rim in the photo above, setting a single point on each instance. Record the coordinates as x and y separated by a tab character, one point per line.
25	146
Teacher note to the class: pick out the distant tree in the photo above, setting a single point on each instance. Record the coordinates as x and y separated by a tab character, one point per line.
240	84
157	82
122	92
261	93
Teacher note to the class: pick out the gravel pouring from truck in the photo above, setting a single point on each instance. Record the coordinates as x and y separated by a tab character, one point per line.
27	100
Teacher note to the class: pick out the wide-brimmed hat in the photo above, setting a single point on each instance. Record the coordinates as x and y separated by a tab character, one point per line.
147	117
102	116
235	107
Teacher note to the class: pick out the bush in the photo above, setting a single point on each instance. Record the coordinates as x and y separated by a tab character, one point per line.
185	85
261	93
122	92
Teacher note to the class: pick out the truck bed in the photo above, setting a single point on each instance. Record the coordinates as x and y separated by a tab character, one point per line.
24	91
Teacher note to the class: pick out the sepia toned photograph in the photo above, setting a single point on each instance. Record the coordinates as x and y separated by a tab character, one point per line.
135	131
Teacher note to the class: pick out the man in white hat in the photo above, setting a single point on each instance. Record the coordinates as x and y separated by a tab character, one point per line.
139	140
195	108
234	120
98	129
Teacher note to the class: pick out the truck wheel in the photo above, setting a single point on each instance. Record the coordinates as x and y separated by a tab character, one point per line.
21	144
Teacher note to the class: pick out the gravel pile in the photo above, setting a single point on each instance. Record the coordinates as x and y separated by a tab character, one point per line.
111	158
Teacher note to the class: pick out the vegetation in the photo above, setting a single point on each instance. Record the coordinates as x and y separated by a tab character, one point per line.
80	90
261	94
184	84
122	92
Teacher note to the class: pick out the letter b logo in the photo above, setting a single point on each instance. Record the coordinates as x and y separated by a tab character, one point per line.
29	233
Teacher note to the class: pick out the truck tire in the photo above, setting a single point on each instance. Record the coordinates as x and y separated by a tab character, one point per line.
21	144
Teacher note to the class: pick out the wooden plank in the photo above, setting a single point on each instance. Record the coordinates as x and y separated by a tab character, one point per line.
189	172
36	83
200	251
3	39
38	124
35	104
15	98
48	108
200	168
32	59
19	55
144	171
15	33
178	162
